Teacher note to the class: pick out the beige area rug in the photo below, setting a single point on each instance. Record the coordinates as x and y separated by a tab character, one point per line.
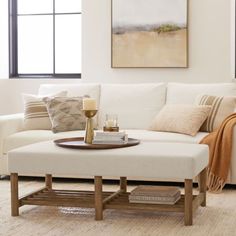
218	218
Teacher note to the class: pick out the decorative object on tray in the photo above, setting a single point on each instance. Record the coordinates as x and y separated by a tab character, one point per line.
155	195
78	143
110	138
111	123
90	110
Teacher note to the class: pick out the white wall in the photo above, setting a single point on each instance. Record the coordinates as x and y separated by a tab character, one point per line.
11	90
209	46
232	37
209	52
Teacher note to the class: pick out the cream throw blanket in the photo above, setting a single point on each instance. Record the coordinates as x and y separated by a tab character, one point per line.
220	145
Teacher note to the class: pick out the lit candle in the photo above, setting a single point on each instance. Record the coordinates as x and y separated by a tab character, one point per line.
110	123
89	104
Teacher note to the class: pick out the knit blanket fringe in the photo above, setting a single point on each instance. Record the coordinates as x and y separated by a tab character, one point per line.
215	184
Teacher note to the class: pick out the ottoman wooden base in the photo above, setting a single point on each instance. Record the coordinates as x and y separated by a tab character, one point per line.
106	200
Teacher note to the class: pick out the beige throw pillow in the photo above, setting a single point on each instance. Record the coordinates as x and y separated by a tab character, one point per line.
66	113
35	111
221	107
184	119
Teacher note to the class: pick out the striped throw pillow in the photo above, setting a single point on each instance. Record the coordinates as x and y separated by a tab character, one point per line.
221	107
35	111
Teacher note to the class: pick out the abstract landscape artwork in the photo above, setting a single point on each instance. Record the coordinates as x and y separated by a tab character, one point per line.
149	33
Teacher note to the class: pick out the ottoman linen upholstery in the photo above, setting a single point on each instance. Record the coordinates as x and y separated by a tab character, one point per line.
147	160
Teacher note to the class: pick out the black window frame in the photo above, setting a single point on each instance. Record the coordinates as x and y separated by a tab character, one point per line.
13	46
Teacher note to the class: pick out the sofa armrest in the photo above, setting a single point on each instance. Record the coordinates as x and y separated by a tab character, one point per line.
10	124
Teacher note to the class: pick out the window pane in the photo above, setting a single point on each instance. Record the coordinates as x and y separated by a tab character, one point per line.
68	44
35	6
65	6
3	39
35	44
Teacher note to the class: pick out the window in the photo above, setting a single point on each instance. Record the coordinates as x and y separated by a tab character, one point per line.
45	38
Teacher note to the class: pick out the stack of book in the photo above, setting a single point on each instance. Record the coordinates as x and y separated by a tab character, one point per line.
110	138
155	195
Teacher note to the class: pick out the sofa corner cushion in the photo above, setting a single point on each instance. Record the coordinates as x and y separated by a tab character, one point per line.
183	93
135	104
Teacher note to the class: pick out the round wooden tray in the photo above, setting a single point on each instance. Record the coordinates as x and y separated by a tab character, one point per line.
78	143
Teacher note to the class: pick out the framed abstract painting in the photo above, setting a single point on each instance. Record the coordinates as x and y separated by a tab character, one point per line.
149	33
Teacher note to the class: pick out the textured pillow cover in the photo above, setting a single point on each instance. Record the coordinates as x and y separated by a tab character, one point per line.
66	113
221	107
184	119
35	111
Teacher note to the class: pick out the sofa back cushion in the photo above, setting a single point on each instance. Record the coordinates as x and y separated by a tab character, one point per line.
178	93
135	104
73	90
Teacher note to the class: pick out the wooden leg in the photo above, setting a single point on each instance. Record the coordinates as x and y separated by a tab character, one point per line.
98	198
188	202
14	195
203	185
123	184
48	181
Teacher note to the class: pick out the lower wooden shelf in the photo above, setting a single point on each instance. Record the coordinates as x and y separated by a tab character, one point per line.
72	198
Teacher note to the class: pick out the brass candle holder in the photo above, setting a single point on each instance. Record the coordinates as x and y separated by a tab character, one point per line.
89	132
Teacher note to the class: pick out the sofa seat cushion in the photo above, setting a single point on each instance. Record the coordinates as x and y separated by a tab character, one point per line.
32	136
150	136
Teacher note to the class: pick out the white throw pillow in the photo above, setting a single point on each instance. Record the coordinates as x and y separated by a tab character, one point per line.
35	111
184	119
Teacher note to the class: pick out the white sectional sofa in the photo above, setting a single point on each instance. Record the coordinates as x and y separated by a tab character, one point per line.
135	104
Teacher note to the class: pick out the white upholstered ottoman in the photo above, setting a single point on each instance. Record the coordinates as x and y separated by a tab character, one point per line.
146	160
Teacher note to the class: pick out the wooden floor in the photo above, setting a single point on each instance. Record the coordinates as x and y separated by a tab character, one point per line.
218	218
